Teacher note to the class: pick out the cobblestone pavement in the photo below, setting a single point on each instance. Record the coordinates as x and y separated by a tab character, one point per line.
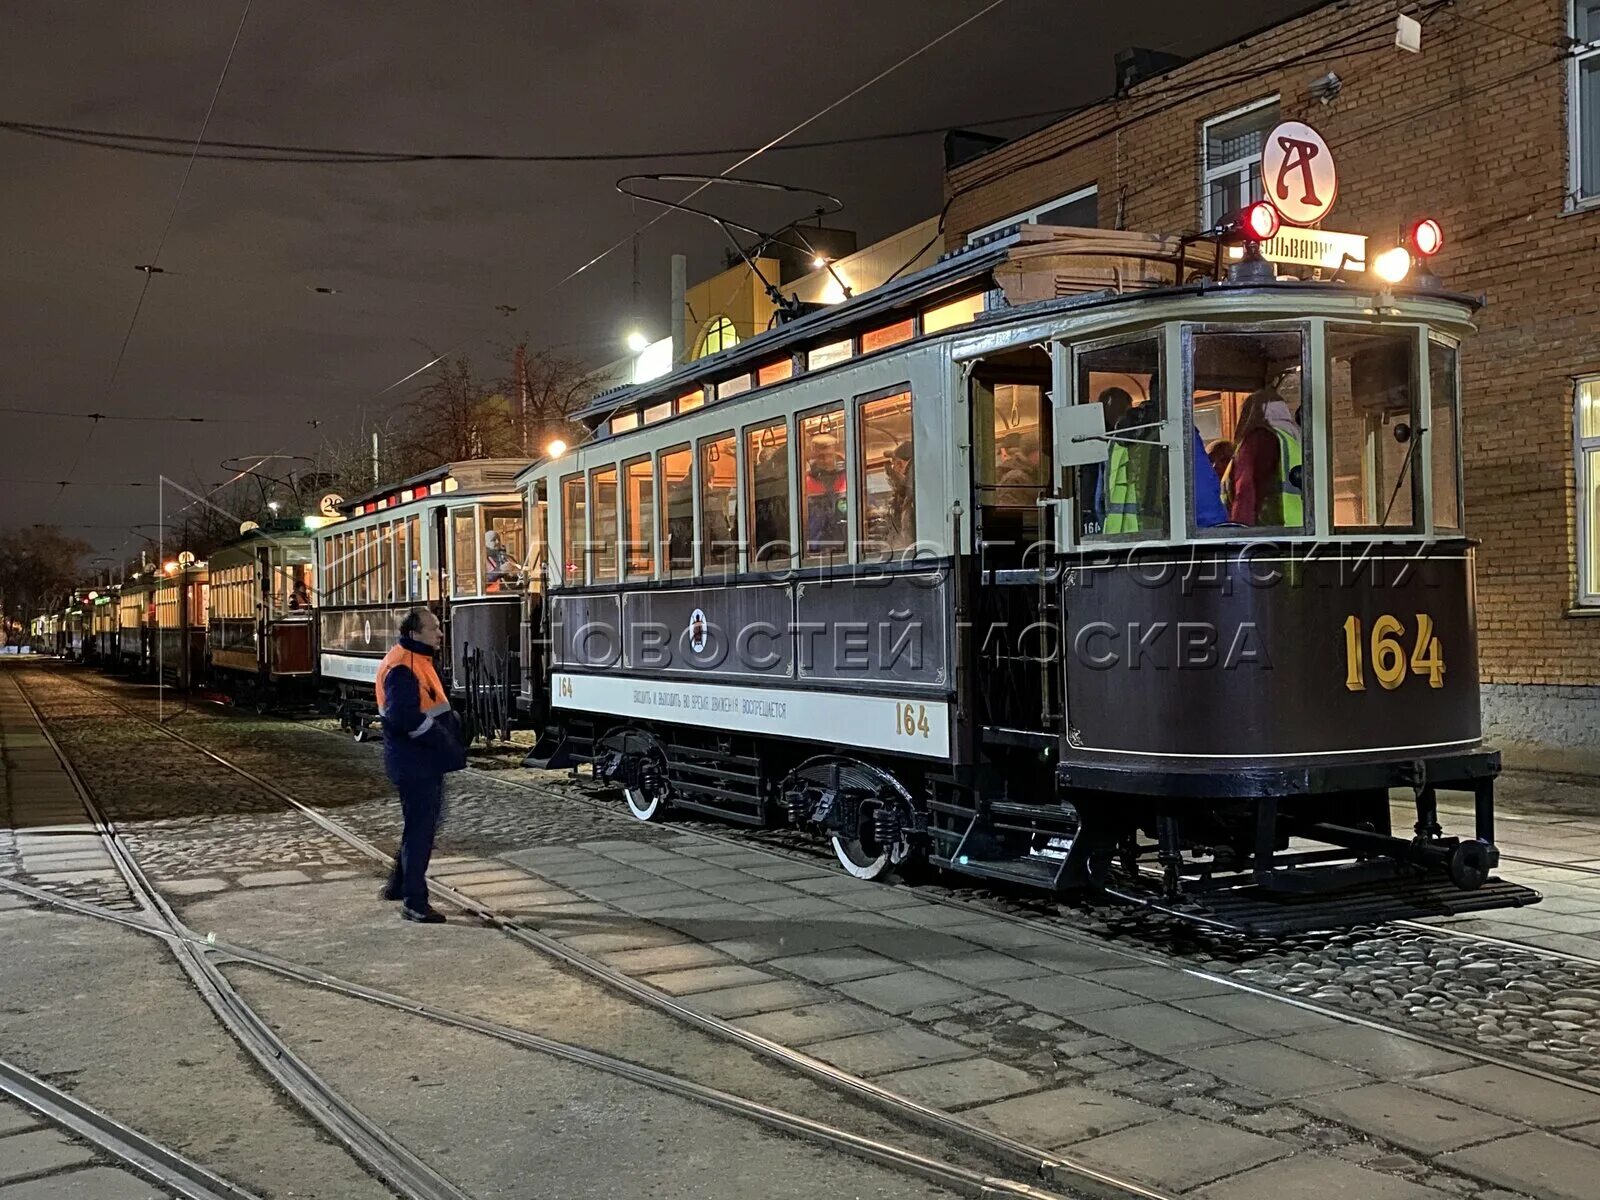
1037	1027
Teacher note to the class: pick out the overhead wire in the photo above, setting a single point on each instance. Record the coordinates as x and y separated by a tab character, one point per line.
97	417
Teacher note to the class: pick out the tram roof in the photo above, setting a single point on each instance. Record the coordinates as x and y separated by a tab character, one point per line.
472	476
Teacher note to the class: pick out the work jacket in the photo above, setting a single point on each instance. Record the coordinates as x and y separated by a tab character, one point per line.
421	735
1262	487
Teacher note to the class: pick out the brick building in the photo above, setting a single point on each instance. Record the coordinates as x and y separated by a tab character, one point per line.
1493	127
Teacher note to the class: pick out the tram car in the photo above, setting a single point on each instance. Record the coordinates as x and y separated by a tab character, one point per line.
1079	559
72	630
135	626
179	645
260	619
452	539
102	649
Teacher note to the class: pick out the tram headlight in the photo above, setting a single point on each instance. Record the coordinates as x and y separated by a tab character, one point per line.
1259	222
1426	238
1393	265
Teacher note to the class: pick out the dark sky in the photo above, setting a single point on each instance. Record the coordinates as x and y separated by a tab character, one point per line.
421	254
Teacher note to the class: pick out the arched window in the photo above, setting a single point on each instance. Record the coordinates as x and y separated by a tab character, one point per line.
719	335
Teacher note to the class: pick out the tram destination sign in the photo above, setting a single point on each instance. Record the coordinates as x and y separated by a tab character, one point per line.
1316	248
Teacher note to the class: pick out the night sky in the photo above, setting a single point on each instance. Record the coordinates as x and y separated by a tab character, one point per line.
421	254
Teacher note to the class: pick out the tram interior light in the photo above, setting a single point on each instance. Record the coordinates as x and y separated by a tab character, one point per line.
1426	238
1393	265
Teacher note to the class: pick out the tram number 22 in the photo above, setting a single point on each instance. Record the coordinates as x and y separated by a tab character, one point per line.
911	720
1389	660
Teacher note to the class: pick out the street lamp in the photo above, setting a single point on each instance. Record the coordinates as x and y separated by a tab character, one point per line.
556	448
638	343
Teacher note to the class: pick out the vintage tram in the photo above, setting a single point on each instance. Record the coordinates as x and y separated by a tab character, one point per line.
178	648
103	626
136	614
1076	559
260	619
451	539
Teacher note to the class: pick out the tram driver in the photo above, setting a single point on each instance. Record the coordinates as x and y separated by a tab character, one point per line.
500	569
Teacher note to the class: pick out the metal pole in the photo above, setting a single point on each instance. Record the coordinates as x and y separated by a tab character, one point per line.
374	458
680	313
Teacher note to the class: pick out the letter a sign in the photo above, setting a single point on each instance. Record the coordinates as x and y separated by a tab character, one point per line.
1297	173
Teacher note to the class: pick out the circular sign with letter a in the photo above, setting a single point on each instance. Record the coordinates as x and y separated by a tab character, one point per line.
1297	173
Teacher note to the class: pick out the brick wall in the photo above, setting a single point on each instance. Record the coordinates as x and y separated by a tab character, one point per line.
1473	131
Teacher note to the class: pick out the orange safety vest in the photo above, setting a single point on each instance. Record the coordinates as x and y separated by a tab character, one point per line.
434	700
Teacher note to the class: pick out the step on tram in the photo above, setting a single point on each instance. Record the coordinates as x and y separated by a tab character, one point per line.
1078	560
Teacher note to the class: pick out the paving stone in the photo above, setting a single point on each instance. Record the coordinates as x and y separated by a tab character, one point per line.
1179	1153
893	1049
1067	958
474	879
837	965
1062	995
756	998
903	991
272	878
1378	1053
1161	983
664	958
623	939
706	875
1409	1118
779	940
1585	1133
95	1183
1313	1175
194	887
649	886
780	872
947	917
1157	1028
1539	1164
14	1117
522	901
707	979
981	968
8	902
815	1022
1063	1116
806	908
1514	1094
66	877
750	890
1271	1069
36	1152
1260	1015
953	1085
515	882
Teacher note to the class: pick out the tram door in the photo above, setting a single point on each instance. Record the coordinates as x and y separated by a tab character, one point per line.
535	639
1014	607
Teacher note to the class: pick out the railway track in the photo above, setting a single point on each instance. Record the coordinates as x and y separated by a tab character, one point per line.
1055	1170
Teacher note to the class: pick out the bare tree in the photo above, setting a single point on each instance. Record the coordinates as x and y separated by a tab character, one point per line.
546	389
39	567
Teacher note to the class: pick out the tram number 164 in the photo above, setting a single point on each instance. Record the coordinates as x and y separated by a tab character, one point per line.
1389	659
911	720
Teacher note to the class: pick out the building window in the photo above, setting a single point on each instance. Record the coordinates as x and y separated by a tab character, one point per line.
1077	209
719	335
1230	158
1587	423
1584	102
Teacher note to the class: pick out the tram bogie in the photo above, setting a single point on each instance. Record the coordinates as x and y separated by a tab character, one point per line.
961	569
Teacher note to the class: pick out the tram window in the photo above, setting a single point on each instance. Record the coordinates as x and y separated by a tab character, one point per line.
503	547
539	552
362	580
1248	460
719	508
414	568
887	512
677	512
464	548
638	519
766	467
825	487
1372	408
400	563
1126	494
1012	468
1444	447
574	510
603	545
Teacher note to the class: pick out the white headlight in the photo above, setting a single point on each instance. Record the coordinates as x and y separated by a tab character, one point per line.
1393	264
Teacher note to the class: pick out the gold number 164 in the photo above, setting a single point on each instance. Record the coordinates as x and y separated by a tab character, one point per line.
1388	656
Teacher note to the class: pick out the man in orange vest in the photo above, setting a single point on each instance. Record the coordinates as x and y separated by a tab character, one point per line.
421	744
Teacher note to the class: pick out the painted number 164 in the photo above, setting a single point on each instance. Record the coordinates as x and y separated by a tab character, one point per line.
1389	659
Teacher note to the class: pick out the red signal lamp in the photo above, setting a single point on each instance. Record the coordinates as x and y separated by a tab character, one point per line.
1259	222
1426	238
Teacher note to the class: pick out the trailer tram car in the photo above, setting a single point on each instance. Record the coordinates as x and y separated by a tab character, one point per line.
135	623
179	645
103	619
451	539
260	620
947	570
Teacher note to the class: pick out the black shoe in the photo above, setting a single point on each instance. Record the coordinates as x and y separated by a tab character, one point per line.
391	891
422	916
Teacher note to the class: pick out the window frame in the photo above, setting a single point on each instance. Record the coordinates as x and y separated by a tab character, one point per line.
1584	597
1580	54
664	565
475	542
747	499
1237	167
1421	494
625	514
856	469
798	489
1310	527
1030	216
702	545
574	540
1163	333
1431	338
593	549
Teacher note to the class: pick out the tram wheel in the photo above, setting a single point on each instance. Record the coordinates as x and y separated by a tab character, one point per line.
1469	865
362	733
646	804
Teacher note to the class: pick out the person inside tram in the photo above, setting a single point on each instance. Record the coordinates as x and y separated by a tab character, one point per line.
1134	481
826	501
771	509
1021	469
500	569
680	521
1116	402
1220	452
1208	508
902	513
1262	487
300	593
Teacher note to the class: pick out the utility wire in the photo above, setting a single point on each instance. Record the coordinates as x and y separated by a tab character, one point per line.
97	417
155	259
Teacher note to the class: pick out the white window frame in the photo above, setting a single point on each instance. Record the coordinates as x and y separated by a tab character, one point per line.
1237	166
1580	54
1031	215
1581	448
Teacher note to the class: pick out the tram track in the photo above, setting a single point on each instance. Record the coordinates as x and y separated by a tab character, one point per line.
1080	1179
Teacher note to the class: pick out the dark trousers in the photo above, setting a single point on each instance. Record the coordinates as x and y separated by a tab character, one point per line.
421	804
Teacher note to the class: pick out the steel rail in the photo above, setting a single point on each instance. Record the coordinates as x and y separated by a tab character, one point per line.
157	1163
959	1178
1059	1168
392	1162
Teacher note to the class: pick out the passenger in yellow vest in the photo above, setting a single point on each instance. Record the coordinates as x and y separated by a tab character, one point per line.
1136	474
1262	488
421	744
